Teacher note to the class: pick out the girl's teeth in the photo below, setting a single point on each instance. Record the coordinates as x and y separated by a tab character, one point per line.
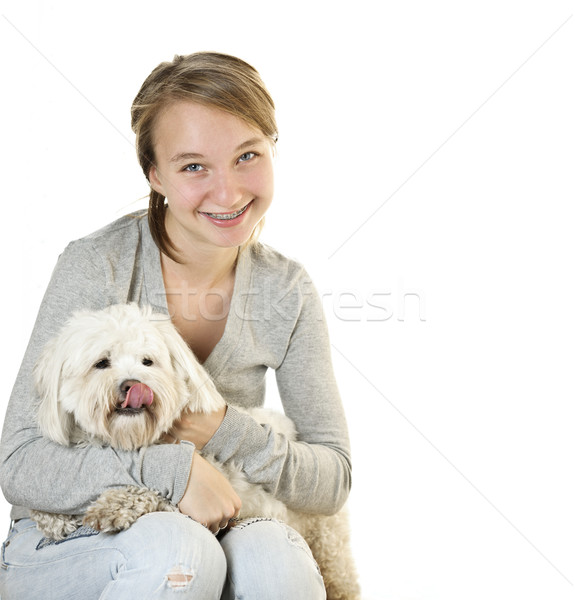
227	216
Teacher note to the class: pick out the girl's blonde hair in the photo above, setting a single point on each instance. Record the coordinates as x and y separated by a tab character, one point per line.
210	78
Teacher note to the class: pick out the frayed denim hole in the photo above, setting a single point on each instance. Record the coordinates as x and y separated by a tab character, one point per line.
179	579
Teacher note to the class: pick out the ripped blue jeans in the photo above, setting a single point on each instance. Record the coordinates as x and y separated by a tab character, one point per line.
163	555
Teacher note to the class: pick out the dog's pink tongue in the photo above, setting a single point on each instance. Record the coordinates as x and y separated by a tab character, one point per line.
138	395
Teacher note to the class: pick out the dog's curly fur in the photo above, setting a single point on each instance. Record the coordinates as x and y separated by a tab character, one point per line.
83	379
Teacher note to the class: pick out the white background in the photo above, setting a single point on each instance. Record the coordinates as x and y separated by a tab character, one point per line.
425	178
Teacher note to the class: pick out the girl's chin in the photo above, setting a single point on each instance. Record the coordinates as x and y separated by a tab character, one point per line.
232	237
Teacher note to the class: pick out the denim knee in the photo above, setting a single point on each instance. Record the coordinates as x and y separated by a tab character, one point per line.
169	553
267	559
162	554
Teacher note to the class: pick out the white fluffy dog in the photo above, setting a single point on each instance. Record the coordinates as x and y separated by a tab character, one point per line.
121	377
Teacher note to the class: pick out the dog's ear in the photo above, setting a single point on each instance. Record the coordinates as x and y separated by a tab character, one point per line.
204	397
54	422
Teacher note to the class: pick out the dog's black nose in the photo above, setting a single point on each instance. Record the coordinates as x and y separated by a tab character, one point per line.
126	385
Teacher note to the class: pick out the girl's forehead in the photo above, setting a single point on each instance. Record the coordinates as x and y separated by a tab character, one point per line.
185	112
190	127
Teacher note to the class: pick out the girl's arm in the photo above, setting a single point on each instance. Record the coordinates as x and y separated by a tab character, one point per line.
314	473
40	474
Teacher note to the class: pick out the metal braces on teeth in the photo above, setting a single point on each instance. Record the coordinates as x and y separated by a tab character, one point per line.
227	216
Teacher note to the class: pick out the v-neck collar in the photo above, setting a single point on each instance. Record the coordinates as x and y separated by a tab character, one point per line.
155	295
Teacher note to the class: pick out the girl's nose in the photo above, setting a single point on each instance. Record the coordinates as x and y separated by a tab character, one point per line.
226	192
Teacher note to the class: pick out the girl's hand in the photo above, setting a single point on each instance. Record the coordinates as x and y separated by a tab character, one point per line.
209	498
197	428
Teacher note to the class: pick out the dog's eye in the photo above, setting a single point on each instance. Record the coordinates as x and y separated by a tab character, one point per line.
102	364
147	362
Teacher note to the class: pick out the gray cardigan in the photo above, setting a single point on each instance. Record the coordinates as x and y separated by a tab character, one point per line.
275	320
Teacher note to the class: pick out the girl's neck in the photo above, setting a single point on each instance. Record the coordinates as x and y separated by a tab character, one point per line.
203	269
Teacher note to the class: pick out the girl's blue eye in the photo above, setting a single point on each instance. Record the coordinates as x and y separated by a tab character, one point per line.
193	168
246	156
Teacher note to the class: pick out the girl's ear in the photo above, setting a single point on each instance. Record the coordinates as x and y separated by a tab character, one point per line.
204	397
155	181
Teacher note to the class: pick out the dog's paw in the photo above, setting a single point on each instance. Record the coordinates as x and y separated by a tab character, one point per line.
116	510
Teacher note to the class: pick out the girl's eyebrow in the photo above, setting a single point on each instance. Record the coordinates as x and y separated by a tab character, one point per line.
195	155
248	143
185	156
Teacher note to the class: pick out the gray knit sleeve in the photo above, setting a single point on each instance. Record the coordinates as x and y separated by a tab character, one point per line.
40	474
313	473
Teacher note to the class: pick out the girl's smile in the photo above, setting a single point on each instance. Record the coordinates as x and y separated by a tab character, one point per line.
227	219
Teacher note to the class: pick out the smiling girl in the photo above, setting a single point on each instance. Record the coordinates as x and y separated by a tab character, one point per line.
205	137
